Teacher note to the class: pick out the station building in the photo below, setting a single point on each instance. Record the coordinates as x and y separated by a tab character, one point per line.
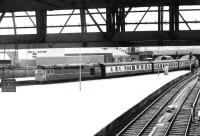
33	57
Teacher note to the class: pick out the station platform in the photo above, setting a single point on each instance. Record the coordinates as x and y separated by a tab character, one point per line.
24	79
63	109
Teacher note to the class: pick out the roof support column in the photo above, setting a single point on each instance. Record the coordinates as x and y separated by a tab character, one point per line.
83	21
160	25
120	18
160	18
110	18
41	20
176	17
83	25
171	18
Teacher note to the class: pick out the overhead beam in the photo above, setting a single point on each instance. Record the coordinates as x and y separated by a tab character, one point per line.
98	37
99	44
32	5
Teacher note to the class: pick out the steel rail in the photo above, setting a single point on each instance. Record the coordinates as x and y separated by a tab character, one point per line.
190	119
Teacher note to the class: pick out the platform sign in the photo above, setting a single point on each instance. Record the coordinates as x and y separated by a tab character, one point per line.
8	85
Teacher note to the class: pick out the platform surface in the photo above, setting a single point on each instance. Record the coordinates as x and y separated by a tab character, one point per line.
63	110
24	79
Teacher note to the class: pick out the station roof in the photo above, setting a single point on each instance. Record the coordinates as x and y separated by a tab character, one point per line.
30	5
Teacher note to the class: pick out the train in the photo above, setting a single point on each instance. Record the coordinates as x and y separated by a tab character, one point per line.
45	73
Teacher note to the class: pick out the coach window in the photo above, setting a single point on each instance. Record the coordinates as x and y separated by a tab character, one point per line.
138	67
119	68
111	69
116	68
133	67
141	67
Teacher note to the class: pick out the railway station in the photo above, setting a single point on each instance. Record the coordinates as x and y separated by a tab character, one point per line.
103	68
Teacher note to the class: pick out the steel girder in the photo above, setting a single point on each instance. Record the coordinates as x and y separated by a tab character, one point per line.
118	37
33	5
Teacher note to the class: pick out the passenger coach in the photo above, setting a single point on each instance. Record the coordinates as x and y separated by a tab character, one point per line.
119	69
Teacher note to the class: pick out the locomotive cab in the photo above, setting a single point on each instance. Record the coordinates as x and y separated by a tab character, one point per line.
41	73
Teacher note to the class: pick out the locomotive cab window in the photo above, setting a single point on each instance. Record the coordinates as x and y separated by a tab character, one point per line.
92	71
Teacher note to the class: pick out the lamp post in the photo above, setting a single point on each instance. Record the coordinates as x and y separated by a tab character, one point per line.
80	71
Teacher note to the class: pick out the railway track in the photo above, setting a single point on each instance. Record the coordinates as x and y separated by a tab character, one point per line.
157	118
184	115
